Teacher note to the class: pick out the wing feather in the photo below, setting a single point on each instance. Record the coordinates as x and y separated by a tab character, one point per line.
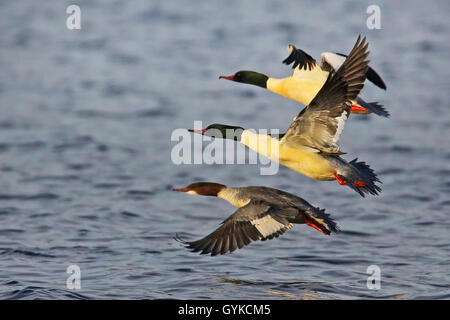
258	220
299	58
332	61
321	123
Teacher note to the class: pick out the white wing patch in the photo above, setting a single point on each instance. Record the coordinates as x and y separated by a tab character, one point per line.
268	225
333	59
340	126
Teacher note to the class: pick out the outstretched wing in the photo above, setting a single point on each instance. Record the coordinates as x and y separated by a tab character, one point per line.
305	67
321	123
258	220
300	58
332	61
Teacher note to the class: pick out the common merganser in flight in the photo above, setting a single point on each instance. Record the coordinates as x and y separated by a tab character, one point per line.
310	145
264	213
307	79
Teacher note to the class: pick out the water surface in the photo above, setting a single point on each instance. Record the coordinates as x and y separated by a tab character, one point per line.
86	177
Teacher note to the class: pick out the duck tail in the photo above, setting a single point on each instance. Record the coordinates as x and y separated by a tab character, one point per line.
321	221
370	107
360	178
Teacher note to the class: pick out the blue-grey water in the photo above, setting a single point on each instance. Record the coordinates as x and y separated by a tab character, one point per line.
86	118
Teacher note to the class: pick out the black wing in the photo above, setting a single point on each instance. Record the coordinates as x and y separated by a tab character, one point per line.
372	75
258	220
299	58
320	124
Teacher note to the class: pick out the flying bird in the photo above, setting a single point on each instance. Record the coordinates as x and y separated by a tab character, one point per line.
310	145
308	78
263	213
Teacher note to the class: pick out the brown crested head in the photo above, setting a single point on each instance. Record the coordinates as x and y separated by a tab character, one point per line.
202	188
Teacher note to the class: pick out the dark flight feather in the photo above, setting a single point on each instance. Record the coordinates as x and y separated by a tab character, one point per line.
300	58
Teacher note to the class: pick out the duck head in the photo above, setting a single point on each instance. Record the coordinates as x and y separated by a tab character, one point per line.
250	77
223	131
202	188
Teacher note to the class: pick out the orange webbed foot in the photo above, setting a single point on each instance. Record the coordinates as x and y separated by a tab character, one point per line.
339	180
358	109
